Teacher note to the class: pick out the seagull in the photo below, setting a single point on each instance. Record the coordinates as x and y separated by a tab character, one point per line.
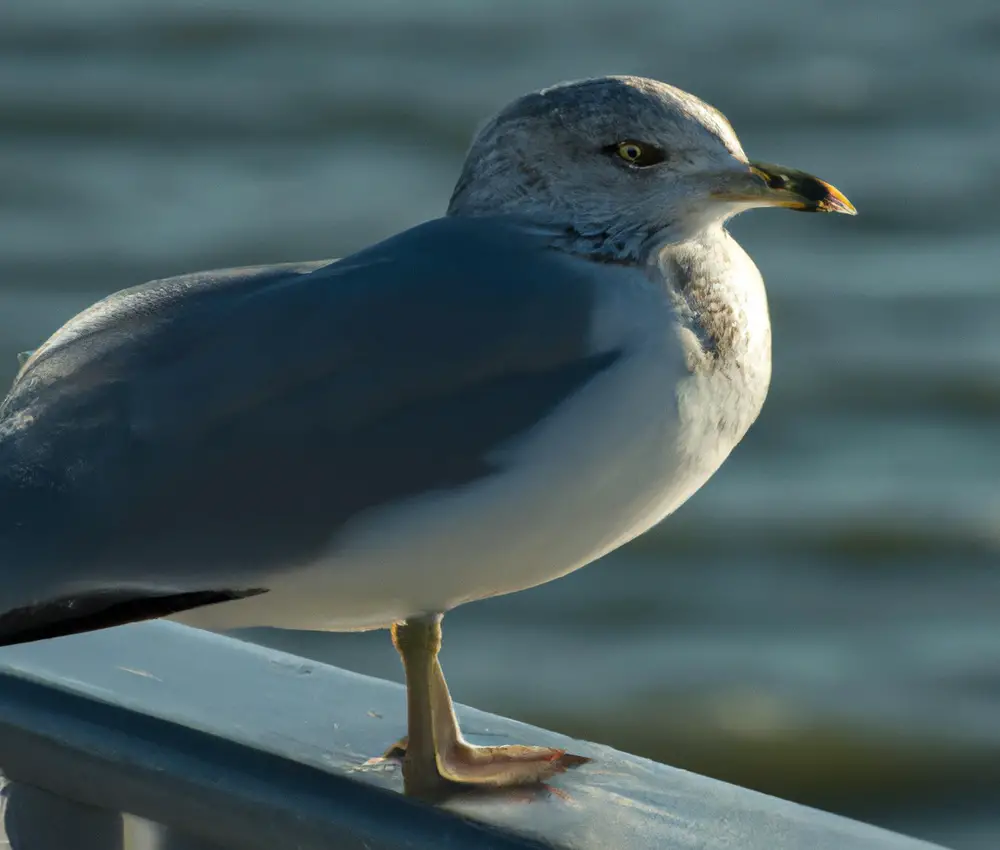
475	406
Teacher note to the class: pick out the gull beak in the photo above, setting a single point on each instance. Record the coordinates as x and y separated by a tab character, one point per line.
766	185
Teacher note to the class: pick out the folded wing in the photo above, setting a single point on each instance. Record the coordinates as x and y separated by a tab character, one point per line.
184	436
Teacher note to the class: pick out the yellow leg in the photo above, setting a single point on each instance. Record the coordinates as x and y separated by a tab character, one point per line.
436	753
418	642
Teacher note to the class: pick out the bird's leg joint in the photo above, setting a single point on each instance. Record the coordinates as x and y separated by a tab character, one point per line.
418	635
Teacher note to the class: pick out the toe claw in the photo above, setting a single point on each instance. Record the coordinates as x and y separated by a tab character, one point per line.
397	750
568	760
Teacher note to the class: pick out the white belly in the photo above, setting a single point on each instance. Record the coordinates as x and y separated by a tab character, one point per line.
609	463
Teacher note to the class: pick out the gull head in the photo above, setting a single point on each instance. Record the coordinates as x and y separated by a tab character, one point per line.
620	166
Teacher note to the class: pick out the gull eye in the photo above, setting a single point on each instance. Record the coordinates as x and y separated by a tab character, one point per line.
638	154
630	151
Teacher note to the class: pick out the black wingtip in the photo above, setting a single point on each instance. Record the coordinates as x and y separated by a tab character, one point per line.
102	610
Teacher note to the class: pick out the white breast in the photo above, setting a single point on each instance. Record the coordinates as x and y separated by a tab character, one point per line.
609	463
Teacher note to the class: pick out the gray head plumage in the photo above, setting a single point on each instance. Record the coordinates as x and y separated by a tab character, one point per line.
555	158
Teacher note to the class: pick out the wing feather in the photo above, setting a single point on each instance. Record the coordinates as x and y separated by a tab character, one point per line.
188	434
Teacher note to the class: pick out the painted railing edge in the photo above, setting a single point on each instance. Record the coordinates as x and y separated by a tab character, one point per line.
247	747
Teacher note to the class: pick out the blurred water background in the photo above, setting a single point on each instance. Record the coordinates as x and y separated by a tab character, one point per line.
821	620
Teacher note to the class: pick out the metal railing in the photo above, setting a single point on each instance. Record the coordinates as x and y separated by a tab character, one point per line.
226	744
